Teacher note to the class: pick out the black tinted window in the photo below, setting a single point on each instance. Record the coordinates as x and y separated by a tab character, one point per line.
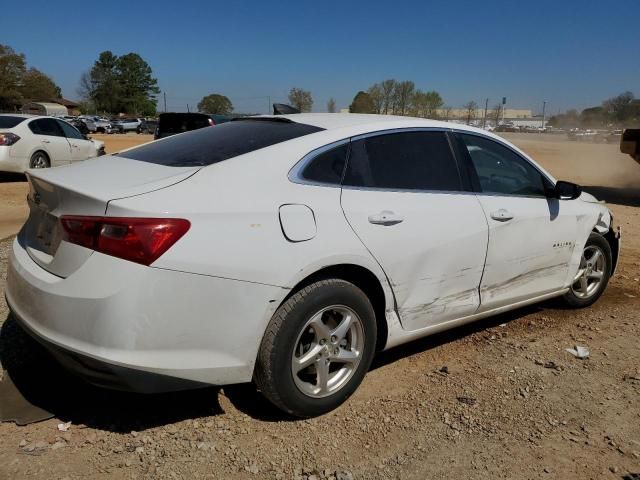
501	170
327	167
10	122
70	131
412	160
215	144
46	126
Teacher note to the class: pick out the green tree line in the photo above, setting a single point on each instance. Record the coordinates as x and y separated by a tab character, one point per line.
120	84
620	111
19	84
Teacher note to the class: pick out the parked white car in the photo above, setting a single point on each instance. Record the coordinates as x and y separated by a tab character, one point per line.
28	141
288	250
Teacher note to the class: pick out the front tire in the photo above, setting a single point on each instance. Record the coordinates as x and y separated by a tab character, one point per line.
317	348
593	273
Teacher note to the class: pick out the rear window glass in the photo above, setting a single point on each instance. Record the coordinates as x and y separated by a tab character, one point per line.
328	166
214	144
10	122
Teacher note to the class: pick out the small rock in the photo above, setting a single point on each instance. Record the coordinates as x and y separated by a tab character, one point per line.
467	400
444	370
613	469
139	450
344	475
22	444
58	445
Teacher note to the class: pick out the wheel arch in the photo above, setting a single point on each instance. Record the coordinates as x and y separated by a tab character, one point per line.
364	279
37	150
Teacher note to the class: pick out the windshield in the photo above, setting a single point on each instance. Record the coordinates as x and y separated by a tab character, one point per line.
214	144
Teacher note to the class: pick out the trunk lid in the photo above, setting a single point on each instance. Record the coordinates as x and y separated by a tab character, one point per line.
83	189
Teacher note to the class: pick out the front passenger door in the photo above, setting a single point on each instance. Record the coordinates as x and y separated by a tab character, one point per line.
531	236
81	148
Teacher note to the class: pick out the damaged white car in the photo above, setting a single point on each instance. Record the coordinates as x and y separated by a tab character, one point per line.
287	250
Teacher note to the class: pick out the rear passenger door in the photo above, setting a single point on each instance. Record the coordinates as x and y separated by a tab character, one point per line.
403	196
51	139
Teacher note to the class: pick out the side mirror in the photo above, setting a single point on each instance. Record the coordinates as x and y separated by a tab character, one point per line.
566	190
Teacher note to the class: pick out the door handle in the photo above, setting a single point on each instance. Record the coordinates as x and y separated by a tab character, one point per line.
46	141
502	215
385	218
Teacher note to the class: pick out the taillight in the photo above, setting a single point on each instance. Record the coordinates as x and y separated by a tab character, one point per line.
212	122
9	138
140	240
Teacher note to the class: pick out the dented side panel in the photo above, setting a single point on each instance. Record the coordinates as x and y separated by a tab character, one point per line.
531	254
434	256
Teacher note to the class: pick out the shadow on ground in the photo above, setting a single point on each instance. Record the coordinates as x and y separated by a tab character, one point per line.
12	177
47	385
621	196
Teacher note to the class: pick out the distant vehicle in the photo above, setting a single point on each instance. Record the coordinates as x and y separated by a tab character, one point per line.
80	125
28	141
125	125
147	126
630	143
506	128
90	124
174	123
103	125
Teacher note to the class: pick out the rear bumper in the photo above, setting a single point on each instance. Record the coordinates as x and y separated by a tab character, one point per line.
118	323
10	163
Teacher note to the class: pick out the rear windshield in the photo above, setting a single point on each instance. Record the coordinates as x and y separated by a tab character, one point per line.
10	122
215	144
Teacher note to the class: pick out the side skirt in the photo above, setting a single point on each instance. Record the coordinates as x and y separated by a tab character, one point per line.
397	335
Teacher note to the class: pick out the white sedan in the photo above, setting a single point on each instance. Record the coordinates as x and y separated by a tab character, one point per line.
28	141
287	250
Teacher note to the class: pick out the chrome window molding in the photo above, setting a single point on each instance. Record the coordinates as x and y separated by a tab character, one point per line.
295	174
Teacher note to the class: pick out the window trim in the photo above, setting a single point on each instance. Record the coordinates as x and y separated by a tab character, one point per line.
295	174
512	150
463	185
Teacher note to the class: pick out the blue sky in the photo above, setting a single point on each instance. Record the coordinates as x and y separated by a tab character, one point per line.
569	53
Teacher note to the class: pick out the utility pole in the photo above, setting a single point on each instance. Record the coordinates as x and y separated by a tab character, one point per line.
188	111
504	103
484	119
268	104
544	107
165	101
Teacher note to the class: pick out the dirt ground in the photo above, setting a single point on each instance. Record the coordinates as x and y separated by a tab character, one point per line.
512	403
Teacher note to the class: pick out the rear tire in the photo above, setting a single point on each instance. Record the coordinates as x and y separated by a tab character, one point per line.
317	348
593	274
39	160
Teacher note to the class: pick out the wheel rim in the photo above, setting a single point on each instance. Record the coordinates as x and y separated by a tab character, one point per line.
591	272
39	161
327	351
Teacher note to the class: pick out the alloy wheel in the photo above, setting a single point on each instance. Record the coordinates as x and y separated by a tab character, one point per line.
328	351
591	272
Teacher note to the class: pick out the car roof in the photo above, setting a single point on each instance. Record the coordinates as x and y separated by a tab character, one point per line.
371	122
20	115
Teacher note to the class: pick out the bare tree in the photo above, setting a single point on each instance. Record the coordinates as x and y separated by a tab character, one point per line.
388	91
331	105
301	99
496	113
85	88
471	110
404	93
446	112
377	97
426	104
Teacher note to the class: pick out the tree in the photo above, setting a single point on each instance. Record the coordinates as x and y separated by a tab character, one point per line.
496	114
362	103
388	90
105	88
12	69
216	104
470	111
301	99
426	104
137	85
121	84
403	96
377	97
446	112
38	86
619	109
331	105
